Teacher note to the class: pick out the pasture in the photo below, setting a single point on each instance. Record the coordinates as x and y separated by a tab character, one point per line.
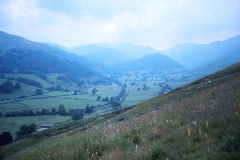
12	124
49	100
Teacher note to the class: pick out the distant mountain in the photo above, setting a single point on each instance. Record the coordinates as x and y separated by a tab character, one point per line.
156	62
30	57
59	46
107	57
86	49
217	64
195	55
129	49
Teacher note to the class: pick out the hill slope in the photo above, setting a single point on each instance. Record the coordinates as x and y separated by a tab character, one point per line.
157	63
26	56
187	123
108	57
194	55
217	64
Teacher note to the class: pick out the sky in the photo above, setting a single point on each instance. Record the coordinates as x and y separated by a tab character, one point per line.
157	23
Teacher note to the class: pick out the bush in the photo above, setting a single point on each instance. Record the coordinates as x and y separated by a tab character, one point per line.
5	138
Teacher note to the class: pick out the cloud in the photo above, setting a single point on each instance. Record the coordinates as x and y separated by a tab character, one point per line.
160	24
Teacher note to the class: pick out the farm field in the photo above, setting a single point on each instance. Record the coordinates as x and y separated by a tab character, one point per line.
12	124
49	100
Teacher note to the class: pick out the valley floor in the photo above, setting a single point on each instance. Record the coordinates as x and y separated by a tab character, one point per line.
187	123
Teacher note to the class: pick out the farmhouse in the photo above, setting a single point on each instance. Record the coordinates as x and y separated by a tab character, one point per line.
45	126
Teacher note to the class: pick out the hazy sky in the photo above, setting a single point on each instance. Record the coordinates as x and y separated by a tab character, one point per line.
157	23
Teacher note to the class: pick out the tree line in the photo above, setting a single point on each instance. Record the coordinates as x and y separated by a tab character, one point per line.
60	111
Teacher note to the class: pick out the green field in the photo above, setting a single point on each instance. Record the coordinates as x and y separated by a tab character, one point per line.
12	124
189	126
49	100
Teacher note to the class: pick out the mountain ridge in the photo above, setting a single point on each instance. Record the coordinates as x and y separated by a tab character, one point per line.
194	55
155	62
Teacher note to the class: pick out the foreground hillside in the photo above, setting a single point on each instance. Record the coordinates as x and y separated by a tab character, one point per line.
198	121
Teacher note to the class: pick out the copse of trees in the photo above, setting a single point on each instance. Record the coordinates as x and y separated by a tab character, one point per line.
38	92
42	76
105	99
6	69
57	88
17	86
77	114
88	109
26	129
165	88
68	78
116	105
29	82
8	87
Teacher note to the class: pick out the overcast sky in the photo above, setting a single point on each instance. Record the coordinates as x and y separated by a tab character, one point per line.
157	23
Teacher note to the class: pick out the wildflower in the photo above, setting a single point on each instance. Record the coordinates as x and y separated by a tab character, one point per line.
189	132
136	148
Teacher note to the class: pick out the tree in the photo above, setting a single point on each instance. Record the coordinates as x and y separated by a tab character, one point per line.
5	138
26	129
38	113
94	90
75	92
116	105
23	113
98	98
62	110
38	92
30	113
53	111
105	99
6	87
44	112
77	114
112	99
59	88
88	109
17	86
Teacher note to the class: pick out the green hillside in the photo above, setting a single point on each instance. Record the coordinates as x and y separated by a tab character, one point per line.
200	120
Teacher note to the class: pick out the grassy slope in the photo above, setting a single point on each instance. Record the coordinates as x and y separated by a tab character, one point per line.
193	125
